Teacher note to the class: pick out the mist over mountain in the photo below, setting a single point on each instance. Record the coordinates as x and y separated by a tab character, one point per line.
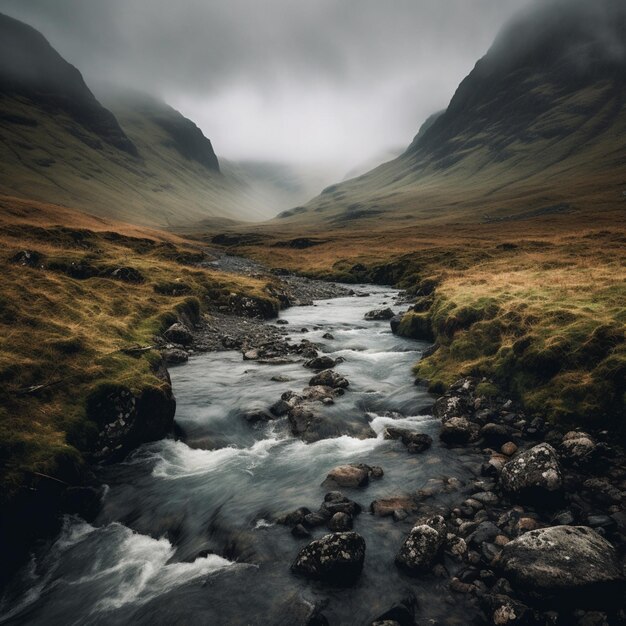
135	159
544	105
32	69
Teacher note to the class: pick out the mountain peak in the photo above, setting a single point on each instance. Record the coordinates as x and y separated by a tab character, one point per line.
31	68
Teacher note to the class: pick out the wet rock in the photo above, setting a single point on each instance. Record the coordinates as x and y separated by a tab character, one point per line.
329	378
422	547
257	415
313	520
179	333
415	442
456	546
347	476
328	336
320	363
387	507
533	473
340	522
395	322
503	610
293	518
175	356
379	315
282	322
401	614
280	408
300	532
458	431
336	502
570	560
335	559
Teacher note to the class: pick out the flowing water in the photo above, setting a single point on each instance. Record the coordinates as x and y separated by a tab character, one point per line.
186	534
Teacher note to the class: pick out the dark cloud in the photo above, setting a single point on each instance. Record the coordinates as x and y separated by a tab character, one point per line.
281	79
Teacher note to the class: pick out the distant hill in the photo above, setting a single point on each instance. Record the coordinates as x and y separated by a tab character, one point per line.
135	159
537	126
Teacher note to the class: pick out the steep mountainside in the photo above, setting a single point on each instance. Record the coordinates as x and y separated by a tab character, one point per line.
538	125
136	160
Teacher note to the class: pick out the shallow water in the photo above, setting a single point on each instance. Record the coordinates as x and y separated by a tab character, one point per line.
185	534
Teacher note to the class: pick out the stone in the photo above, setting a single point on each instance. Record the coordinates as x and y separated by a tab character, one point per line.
175	356
447	407
300	532
386	507
320	363
179	333
280	408
329	378
505	611
533	473
257	415
294	517
422	546
496	434
347	476
486	531
379	315
395	322
577	448
561	559
508	448
335	559
415	442
458	431
340	522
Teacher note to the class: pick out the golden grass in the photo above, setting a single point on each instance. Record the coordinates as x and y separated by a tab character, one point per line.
67	332
539	305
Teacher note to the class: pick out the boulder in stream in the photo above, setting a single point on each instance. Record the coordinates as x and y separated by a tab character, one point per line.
379	315
336	559
422	547
329	378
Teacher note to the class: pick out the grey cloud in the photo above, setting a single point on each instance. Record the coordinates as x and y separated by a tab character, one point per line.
281	79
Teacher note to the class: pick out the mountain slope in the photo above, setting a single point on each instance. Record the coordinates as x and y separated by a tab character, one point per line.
136	160
538	124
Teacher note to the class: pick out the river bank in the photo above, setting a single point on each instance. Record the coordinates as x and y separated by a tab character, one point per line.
198	526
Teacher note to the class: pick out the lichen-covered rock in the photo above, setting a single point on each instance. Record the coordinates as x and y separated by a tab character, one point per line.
458	431
335	559
577	448
447	407
534	472
422	547
568	559
329	378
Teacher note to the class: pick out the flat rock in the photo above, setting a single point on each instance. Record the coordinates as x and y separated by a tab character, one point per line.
347	476
386	507
320	363
458	431
561	559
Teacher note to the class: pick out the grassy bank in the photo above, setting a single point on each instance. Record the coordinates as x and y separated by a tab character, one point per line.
537	305
68	317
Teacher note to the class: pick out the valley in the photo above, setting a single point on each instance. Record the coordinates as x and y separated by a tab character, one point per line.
234	391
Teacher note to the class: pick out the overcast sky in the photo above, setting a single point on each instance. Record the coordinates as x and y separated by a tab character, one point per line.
293	80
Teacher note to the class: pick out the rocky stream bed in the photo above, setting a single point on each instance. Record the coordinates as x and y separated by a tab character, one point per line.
310	481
